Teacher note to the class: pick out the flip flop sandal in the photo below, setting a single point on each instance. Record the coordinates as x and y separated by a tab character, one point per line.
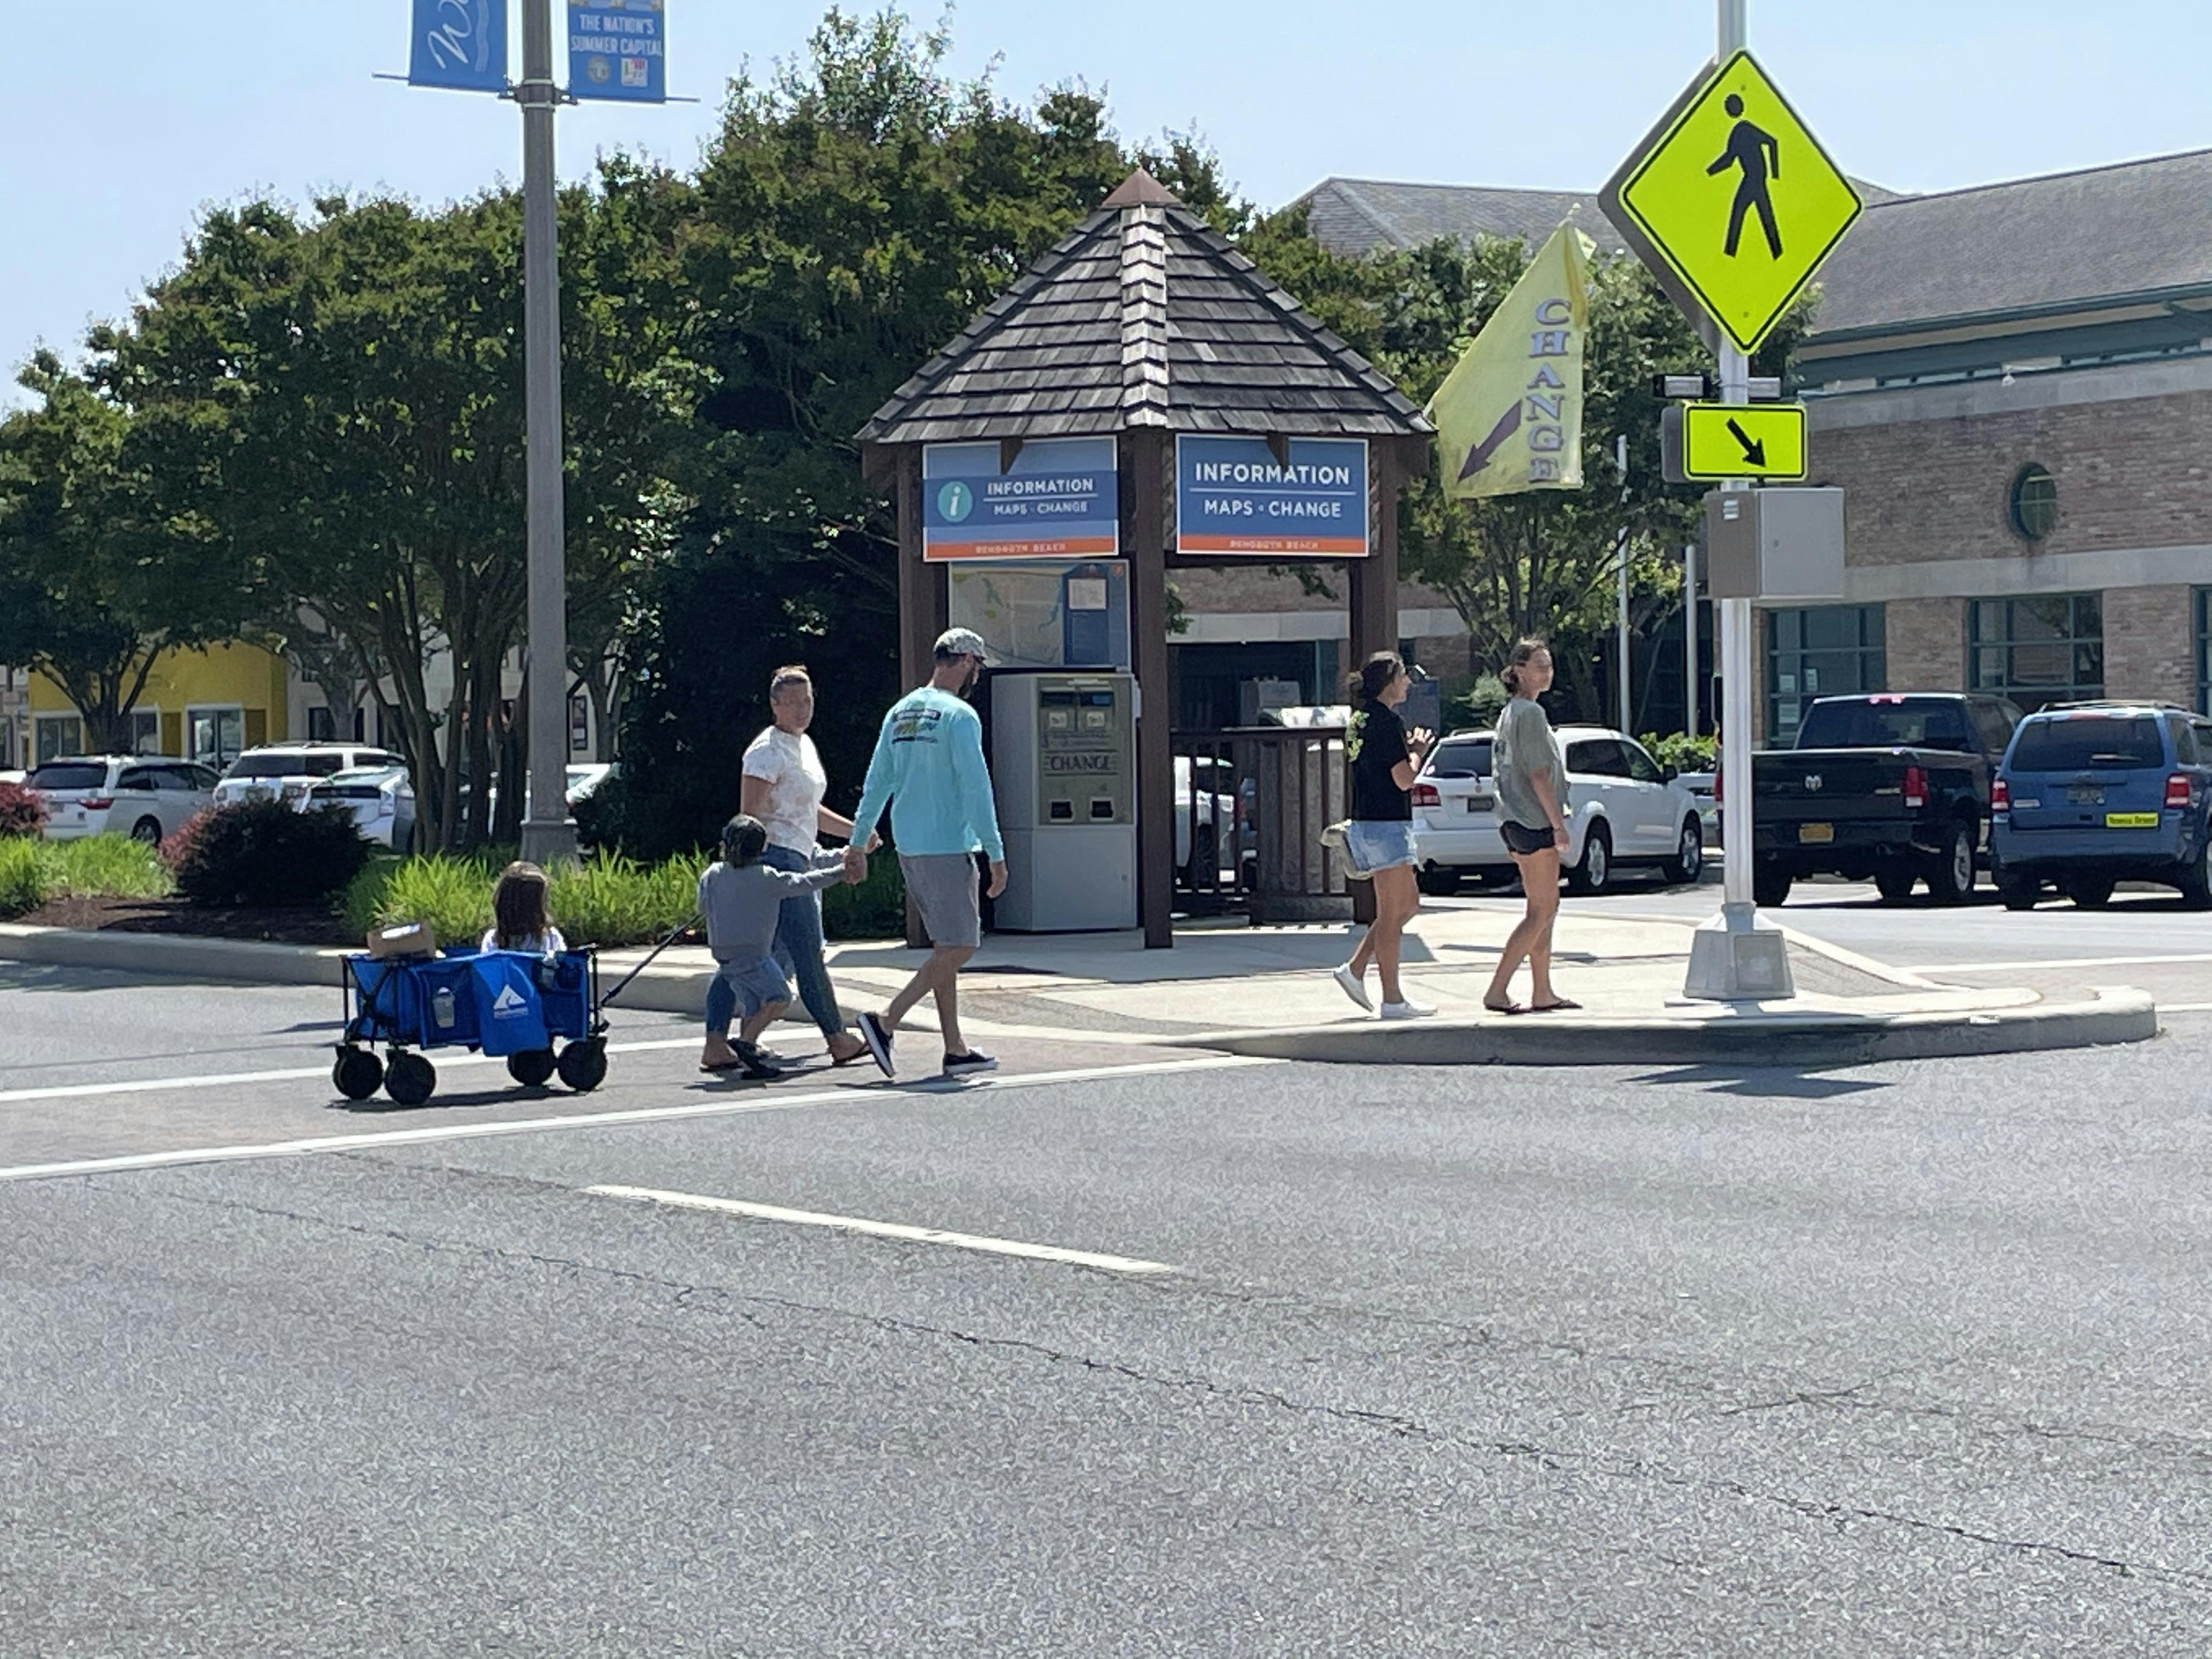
1510	1008
1564	1006
717	1068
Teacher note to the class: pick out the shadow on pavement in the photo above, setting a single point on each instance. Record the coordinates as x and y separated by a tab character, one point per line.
1764	1082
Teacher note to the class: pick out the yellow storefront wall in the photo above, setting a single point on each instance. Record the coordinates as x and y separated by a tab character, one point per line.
215	680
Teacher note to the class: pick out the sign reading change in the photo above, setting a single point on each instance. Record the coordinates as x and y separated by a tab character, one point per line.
1731	201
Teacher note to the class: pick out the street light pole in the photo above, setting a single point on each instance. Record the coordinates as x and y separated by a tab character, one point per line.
548	836
1621	577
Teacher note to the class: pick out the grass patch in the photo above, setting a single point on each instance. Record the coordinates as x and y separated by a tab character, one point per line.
607	900
97	867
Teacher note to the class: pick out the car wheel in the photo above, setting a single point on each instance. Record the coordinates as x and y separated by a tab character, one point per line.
1689	860
1951	877
2196	882
358	1073
1895	883
1596	869
531	1068
1438	881
1204	869
2018	892
1769	885
2089	892
409	1079
147	832
583	1065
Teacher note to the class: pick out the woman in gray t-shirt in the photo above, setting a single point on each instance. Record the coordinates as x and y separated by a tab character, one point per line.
1531	780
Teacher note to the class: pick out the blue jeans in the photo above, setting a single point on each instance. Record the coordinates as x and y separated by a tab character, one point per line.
798	945
746	986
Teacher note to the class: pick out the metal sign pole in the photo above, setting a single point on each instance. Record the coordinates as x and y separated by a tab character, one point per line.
1689	640
548	836
1621	577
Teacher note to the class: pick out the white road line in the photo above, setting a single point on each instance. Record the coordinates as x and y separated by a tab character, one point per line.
862	1095
1117	1264
293	1074
2184	1008
2068	962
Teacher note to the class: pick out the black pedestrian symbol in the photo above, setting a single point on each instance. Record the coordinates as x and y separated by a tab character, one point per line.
1755	150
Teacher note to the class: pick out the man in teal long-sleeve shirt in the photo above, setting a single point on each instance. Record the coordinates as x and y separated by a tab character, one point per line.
929	766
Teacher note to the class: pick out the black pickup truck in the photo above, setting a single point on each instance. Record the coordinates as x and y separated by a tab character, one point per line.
1895	786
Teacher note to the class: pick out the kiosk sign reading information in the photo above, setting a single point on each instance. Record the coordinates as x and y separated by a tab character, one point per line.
1240	495
1732	201
1053	498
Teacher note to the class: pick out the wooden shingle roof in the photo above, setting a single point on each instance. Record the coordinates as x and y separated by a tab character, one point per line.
1144	316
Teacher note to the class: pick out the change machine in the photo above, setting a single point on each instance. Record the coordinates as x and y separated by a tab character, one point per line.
1064	766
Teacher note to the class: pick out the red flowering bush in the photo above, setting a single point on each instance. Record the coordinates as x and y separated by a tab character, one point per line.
21	812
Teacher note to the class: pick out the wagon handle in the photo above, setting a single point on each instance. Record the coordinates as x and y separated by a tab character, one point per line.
696	917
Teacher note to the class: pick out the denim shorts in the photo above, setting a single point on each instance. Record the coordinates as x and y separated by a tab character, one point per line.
757	983
1372	845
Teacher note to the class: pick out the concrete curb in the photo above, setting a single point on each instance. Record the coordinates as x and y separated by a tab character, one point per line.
174	956
1810	1040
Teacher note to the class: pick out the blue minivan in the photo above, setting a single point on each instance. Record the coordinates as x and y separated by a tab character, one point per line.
2093	794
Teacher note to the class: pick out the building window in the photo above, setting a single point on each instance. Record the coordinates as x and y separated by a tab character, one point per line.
2033	503
145	731
2037	651
2204	650
322	727
55	735
218	735
1824	651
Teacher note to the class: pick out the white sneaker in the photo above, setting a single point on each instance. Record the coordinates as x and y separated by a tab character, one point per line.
1353	987
1406	1010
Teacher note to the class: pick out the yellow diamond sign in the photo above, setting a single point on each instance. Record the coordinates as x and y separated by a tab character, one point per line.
1732	201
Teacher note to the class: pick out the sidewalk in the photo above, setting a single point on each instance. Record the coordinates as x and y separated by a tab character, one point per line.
1268	992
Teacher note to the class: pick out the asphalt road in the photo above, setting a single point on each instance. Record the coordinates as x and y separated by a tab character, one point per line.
1906	1361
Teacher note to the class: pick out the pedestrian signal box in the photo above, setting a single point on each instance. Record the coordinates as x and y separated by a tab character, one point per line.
1064	765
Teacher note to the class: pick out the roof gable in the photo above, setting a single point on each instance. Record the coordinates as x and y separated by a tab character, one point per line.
1143	316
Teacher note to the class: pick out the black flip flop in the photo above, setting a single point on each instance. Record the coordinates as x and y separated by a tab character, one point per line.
1509	1009
1564	1006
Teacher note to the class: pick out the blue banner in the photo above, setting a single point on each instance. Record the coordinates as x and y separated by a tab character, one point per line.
1233	496
459	43
1059	499
616	51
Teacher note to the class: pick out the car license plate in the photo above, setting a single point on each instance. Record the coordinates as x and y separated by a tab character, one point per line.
2131	820
1478	803
2085	797
1816	834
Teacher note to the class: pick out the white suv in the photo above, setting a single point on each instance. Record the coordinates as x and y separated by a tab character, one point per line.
145	797
288	771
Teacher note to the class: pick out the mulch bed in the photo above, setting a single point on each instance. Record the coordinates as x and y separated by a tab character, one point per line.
287	924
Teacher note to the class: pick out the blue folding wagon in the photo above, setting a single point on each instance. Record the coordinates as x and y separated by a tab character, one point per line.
500	1002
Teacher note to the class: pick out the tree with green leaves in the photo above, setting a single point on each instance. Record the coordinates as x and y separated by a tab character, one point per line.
99	574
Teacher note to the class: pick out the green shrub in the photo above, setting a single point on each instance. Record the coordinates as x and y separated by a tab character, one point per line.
265	852
109	866
21	812
453	895
28	873
1679	752
1480	706
614	901
874	909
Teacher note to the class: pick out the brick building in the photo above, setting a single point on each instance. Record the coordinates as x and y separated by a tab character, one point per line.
2012	384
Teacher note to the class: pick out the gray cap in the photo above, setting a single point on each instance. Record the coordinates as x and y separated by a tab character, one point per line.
962	643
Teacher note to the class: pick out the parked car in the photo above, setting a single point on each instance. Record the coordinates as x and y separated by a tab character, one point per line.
381	799
584	779
2093	795
1623	810
289	771
146	797
1206	816
1892	785
13	776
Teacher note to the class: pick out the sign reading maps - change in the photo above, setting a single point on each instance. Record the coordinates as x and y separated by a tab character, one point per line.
1057	498
1238	495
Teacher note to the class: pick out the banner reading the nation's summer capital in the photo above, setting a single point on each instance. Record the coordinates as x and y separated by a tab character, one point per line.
1509	415
459	44
617	50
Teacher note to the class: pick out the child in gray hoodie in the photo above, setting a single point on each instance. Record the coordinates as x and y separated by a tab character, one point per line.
741	899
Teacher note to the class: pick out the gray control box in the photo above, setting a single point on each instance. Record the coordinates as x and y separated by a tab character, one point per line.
1779	546
1064	767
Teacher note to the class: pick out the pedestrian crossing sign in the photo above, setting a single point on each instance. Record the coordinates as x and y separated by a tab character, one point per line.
1732	201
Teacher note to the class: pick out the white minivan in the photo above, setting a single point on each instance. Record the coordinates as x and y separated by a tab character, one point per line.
1625	811
145	797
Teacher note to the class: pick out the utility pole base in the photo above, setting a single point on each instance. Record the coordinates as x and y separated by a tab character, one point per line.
1739	957
548	844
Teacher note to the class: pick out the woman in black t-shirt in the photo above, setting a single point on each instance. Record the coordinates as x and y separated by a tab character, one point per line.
1379	839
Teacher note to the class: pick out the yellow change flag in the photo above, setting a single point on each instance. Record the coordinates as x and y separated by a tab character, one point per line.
1509	415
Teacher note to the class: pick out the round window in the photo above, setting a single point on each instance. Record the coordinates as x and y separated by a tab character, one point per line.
2033	503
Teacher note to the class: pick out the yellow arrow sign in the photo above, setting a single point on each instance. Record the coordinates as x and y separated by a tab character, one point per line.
1764	440
1733	198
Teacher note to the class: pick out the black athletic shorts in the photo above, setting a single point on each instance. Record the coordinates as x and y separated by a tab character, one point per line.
1522	841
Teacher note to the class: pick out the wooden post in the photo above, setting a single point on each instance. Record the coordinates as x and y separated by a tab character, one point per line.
1373	583
924	602
1147	522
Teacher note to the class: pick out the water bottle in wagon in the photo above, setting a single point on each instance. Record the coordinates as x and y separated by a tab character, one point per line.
441	1008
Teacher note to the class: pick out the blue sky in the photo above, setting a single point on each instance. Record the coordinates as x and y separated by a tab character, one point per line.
147	109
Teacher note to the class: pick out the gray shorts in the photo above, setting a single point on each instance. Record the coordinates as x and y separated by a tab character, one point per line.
945	889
